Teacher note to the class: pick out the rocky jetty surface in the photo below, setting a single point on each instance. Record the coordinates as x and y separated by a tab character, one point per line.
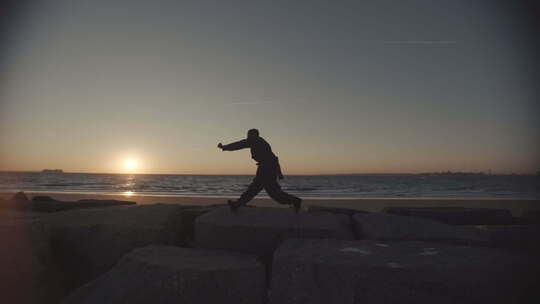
21	202
337	210
337	271
28	269
457	215
387	227
260	230
515	237
531	216
165	274
48	204
89	242
166	253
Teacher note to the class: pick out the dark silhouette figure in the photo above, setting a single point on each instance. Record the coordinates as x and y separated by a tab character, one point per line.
268	172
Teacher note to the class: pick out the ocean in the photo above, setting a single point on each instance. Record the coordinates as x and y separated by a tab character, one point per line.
460	186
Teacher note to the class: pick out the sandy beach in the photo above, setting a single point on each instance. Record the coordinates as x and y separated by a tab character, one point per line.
367	204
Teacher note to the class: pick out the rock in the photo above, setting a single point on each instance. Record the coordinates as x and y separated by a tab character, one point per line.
531	216
261	230
48	204
89	242
386	227
516	220
18	201
518	237
344	211
457	215
28	272
187	223
337	271
164	274
19	198
43	198
5	204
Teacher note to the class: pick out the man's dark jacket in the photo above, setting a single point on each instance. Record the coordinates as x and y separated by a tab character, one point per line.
261	151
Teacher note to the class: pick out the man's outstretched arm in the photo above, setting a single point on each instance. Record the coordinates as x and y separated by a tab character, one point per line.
241	144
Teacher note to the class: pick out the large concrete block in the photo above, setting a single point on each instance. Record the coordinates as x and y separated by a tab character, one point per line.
531	216
164	274
524	238
18	201
261	230
28	272
380	226
89	242
367	272
48	204
337	210
457	215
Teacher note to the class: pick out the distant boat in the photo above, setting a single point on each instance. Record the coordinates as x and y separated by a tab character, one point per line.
52	171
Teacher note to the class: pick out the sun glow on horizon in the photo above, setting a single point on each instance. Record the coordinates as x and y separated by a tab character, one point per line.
130	165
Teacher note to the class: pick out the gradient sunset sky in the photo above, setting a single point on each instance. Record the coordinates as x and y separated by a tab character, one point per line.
334	86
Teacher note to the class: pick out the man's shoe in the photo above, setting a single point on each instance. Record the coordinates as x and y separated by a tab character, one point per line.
234	205
297	205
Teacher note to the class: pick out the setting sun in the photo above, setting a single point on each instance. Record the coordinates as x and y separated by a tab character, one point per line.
130	164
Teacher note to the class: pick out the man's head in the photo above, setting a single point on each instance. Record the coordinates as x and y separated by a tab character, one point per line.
253	133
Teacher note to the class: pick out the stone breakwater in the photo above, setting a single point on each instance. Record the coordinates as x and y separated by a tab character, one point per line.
166	253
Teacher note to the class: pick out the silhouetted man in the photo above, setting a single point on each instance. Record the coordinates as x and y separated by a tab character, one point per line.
267	172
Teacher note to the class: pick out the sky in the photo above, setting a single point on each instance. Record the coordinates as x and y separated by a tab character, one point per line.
334	86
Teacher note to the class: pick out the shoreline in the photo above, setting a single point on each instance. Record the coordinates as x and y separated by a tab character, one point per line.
7	193
368	204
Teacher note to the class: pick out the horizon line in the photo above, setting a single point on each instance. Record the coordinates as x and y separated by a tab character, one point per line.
292	174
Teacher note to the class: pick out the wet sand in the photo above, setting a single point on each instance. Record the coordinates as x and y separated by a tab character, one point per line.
368	204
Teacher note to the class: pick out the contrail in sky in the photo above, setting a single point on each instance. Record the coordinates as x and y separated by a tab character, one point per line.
247	103
253	103
419	42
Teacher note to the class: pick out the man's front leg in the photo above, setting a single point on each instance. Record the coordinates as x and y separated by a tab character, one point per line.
253	189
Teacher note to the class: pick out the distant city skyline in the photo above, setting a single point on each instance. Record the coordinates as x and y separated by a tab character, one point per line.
335	87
